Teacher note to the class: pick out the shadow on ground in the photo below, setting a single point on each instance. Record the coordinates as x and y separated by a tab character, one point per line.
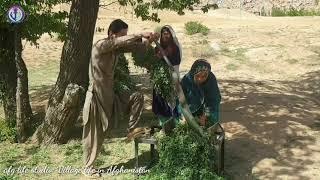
264	121
267	124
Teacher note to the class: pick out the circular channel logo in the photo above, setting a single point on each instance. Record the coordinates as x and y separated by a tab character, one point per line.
16	14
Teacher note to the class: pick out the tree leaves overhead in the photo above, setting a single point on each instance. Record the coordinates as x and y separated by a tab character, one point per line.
146	8
40	18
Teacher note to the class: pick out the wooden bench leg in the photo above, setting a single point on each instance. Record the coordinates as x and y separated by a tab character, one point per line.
152	151
222	157
136	151
220	154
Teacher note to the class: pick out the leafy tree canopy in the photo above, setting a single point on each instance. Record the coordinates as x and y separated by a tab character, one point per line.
40	18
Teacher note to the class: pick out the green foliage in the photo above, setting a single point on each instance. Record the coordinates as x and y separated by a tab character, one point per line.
123	81
8	177
39	156
161	80
194	27
146	9
73	153
145	60
40	18
183	155
237	54
160	74
294	12
7	133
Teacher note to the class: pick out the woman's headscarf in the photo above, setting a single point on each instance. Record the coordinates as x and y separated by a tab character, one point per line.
206	94
175	40
198	66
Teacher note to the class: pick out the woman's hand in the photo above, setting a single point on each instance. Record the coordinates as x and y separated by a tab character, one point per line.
158	54
203	120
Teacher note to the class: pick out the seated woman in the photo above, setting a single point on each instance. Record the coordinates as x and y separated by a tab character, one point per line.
202	93
167	112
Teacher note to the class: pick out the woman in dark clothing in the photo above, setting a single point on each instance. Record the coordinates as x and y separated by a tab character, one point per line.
202	93
167	110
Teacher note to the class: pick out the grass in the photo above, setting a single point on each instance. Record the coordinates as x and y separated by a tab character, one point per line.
292	61
294	12
203	50
70	155
237	54
7	132
232	67
2	116
194	27
115	152
45	74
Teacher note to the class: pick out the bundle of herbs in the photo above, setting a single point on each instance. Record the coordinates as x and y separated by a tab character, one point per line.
122	80
160	75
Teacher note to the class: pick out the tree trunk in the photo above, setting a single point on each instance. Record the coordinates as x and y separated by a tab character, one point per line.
24	112
14	84
8	76
67	98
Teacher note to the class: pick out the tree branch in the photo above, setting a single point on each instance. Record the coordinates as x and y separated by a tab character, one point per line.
104	5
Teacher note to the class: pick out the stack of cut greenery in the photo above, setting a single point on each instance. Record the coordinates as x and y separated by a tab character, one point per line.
183	155
160	74
123	82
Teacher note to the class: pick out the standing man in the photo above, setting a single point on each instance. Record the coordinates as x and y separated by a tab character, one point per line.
102	106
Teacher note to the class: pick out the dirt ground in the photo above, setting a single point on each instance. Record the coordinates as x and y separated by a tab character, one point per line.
268	70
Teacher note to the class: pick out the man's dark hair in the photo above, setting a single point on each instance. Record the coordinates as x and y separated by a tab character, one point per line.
116	26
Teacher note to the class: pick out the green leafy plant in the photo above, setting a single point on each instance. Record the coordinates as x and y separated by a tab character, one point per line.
160	74
7	133
123	81
183	155
161	80
194	27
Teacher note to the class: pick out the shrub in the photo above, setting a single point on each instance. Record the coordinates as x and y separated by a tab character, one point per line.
294	12
7	133
194	27
203	51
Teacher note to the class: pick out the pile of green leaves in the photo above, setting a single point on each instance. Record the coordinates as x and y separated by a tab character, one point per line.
123	82
160	74
184	155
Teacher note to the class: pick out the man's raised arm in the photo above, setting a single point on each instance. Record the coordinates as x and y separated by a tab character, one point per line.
123	43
